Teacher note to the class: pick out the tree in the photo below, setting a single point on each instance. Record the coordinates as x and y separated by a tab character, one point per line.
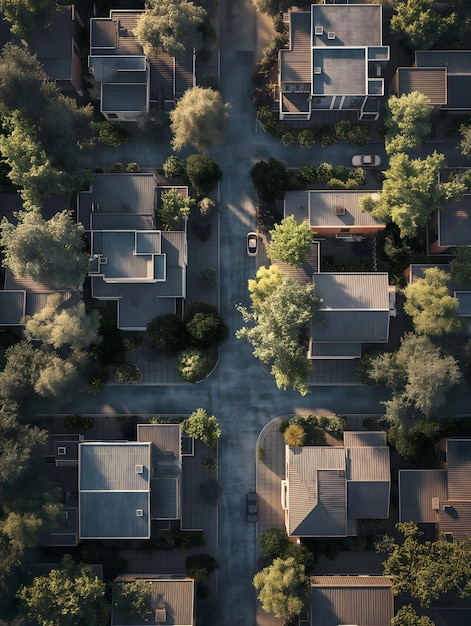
202	426
277	323
270	179
128	373
194	364
71	594
407	121
273	542
271	7
427	570
167	333
283	588
428	301
406	616
465	143
132	598
112	133
417	24
174	167
460	265
206	329
58	327
171	26
200	566
199	119
203	173
174	208
420	378
26	15
290	242
50	251
266	282
412	191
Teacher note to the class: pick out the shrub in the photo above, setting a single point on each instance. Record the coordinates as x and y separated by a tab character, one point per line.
325	172
202	426
359	135
328	137
116	167
307	173
306	138
153	125
97	379
194	365
111	349
173	167
314	435
78	421
260	453
111	133
167	333
302	554
342	129
337	424
205	329
202	229
127	373
132	341
200	566
358	174
335	183
340	172
287	138
364	367
210	81
207	277
210	464
273	543
210	492
133	167
203	173
413	444
351	184
294	436
206	206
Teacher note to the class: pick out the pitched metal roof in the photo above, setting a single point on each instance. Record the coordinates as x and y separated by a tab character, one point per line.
114	487
128	97
361	600
295	63
351	291
455	518
459	93
352	438
175	595
368	499
334	350
454	223
432	82
368	463
458	455
12	307
165	499
455	61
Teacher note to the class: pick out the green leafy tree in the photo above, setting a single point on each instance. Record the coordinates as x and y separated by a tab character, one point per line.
205	328
417	24
50	251
420	378
202	426
407	122
26	15
427	570
174	167
271	7
428	301
128	373
167	333
283	588
266	282
270	179
57	327
200	566
171	26
412	191
277	323
173	209
203	173
199	119
194	364
460	265
132	598
406	616
290	242
273	542
112	133
465	143
69	595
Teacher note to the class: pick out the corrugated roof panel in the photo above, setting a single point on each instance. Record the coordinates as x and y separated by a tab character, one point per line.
126	97
164	498
112	466
366	291
114	514
368	463
103	34
334	350
454	223
455	517
455	61
350	581
458	93
295	64
458	455
368	499
12	307
417	488
352	438
323	211
429	81
351	326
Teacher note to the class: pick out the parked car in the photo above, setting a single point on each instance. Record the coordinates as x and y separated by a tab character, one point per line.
252	244
252	506
366	160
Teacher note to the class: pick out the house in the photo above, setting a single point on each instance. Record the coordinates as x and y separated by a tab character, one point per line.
128	81
132	263
450	227
440	496
355	308
327	489
362	600
334	62
172	602
57	46
333	213
442	75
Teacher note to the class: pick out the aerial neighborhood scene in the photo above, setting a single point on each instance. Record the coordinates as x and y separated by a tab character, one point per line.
235	313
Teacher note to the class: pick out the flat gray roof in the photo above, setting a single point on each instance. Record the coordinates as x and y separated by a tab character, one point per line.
353	25
343	71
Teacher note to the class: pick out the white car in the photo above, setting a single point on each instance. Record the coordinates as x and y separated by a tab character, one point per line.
252	244
366	160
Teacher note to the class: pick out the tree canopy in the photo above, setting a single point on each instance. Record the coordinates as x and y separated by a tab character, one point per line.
283	588
412	191
50	251
290	242
199	119
270	179
460	265
407	122
417	24
427	570
407	616
171	26
266	281
69	595
26	15
275	322
173	209
132	598
202	426
428	301
203	173
420	377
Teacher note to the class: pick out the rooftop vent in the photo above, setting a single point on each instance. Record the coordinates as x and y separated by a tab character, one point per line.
331	34
139	512
103	260
436	504
317	70
301	206
319	30
61	450
139	469
339	210
160	615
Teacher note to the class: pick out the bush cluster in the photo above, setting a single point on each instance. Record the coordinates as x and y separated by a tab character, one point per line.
338	177
79	421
